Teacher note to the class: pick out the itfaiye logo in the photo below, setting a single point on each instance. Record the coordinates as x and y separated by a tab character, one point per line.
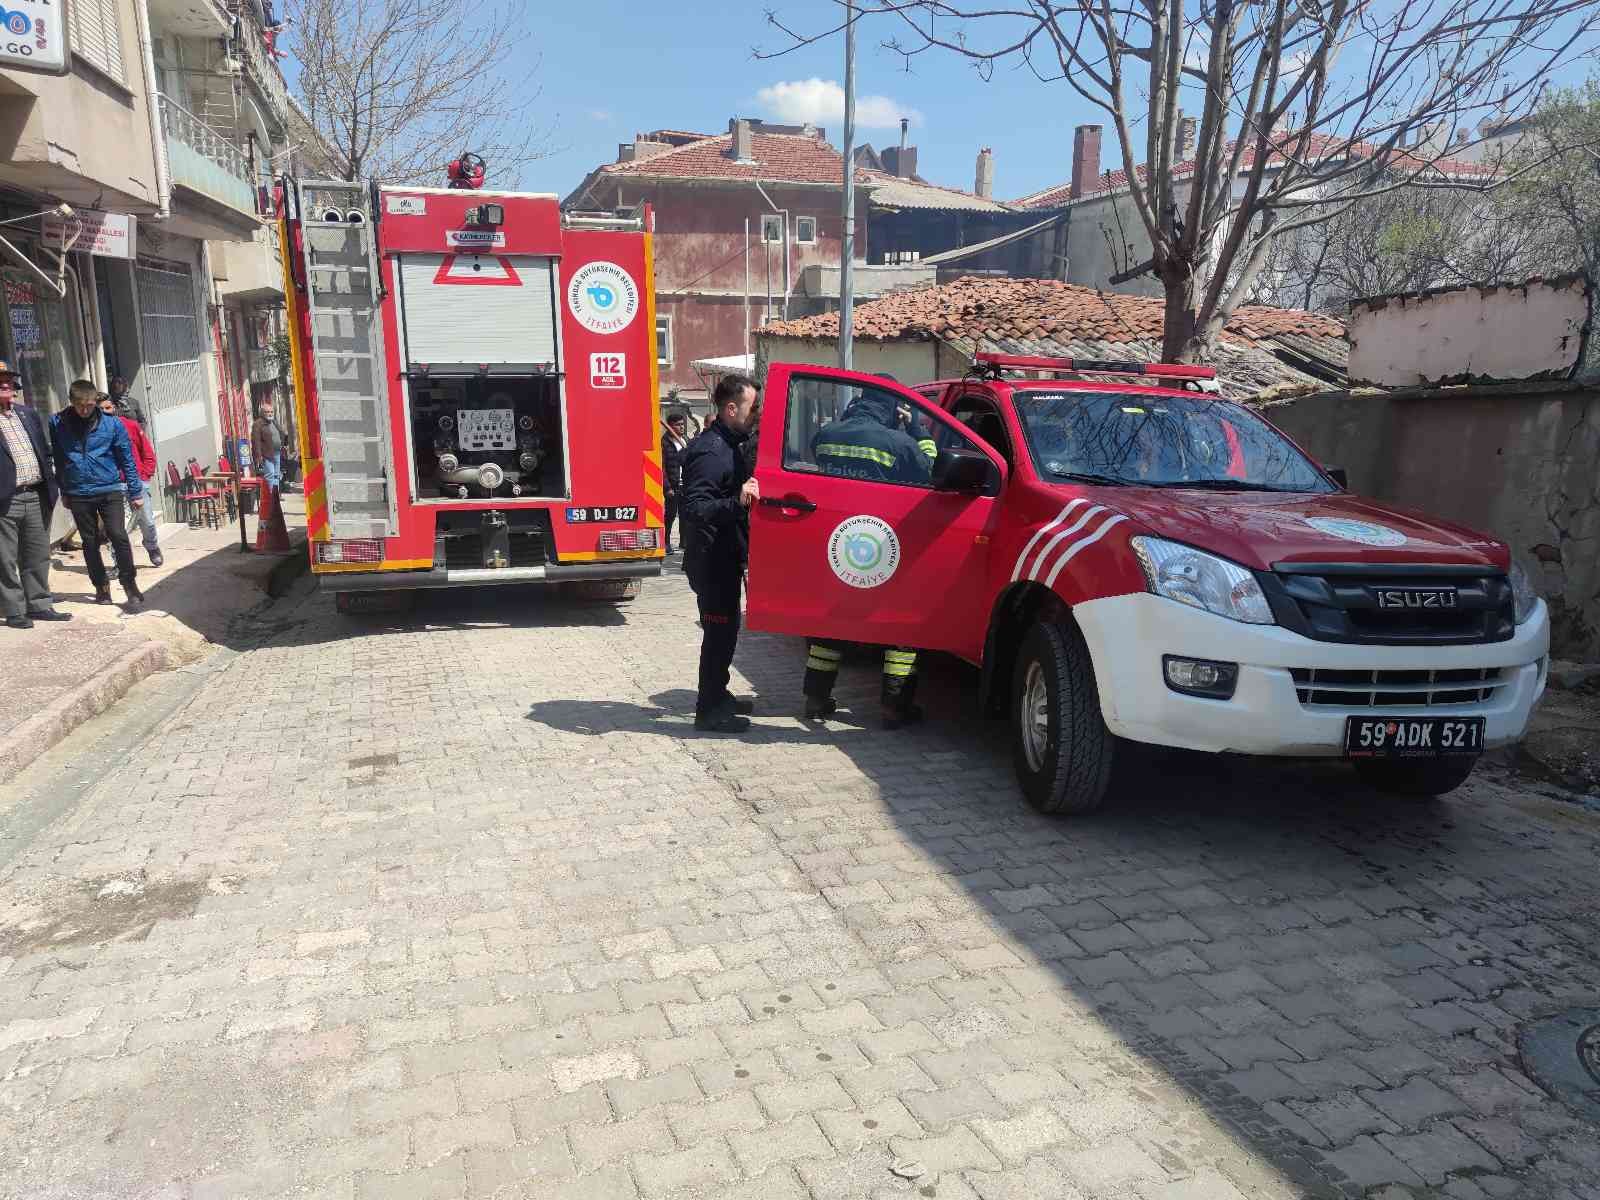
603	297
1365	532
19	24
863	552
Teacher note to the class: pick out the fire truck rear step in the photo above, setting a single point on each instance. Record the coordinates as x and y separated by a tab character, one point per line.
347	351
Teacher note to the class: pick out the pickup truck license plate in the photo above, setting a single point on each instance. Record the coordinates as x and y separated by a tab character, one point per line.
1412	737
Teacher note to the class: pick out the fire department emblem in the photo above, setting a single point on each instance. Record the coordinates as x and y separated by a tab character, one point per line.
1364	532
863	552
603	297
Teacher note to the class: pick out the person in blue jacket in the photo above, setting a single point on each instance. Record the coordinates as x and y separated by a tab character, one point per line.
93	457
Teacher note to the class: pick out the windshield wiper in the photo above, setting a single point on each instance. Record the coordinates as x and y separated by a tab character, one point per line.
1221	485
1090	477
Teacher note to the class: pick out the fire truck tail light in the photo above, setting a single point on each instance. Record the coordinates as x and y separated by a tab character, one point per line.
354	550
629	539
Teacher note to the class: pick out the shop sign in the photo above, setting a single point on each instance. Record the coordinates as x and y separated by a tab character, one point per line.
33	35
108	235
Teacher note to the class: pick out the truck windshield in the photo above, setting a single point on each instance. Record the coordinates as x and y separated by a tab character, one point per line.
1160	441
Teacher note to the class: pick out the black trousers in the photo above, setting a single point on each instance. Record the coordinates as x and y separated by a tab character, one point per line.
718	591
90	512
899	673
671	510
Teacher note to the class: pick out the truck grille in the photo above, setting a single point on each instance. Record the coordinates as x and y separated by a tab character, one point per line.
1386	689
1346	603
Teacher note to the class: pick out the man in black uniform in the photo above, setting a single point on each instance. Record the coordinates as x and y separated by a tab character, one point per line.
717	495
674	443
867	442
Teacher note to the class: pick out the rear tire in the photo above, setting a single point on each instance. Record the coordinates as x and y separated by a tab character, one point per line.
1415	780
1060	744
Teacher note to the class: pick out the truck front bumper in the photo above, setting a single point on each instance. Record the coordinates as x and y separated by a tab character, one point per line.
441	577
1128	635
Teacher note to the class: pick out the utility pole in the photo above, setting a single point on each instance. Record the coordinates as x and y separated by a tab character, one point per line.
848	250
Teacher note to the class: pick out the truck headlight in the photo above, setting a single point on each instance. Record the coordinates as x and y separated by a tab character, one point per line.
1523	598
1202	580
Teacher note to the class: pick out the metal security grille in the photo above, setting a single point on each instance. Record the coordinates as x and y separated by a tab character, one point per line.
169	322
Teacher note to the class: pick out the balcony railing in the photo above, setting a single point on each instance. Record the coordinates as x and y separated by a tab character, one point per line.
206	160
261	69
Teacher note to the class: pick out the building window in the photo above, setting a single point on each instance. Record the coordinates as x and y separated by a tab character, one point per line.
664	339
97	36
805	230
772	227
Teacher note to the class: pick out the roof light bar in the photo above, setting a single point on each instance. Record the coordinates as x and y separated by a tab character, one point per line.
1094	366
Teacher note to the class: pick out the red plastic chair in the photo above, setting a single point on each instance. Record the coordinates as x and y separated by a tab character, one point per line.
204	497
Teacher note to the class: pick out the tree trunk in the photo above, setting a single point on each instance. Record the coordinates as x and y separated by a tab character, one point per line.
1178	326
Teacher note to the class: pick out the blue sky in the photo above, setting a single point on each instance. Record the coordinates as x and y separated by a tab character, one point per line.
609	68
613	67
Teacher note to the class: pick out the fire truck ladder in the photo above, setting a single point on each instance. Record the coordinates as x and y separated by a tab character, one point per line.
342	300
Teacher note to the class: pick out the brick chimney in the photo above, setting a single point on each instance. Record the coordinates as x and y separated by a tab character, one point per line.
1085	160
743	145
983	180
1188	131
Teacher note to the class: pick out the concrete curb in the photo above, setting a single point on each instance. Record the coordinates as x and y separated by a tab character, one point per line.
93	696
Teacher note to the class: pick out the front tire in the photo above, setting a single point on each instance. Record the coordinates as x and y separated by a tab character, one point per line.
1416	780
1060	744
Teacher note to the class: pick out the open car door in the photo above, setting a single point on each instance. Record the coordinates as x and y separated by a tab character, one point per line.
895	563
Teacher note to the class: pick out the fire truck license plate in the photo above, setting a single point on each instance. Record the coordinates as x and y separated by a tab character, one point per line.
487	428
604	515
1412	737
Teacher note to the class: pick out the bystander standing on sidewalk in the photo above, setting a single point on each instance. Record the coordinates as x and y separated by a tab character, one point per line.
127	406
93	457
144	454
266	446
27	497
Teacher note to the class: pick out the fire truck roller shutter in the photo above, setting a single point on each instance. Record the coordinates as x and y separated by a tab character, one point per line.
478	308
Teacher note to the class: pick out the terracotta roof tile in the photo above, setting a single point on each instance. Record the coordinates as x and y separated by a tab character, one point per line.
1042	316
782	157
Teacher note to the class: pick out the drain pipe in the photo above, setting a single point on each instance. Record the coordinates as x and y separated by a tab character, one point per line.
158	129
784	212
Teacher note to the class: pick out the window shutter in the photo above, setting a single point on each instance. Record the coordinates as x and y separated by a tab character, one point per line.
97	36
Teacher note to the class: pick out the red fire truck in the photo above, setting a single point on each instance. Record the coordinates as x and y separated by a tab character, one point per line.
475	388
1134	564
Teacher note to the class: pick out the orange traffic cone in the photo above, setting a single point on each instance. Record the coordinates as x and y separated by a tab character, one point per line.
272	535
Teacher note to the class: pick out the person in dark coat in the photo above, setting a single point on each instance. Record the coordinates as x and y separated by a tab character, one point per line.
717	494
674	444
27	498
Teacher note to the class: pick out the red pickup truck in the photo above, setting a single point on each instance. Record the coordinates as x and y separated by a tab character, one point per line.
1142	561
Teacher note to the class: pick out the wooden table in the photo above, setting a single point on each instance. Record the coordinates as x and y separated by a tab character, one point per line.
229	483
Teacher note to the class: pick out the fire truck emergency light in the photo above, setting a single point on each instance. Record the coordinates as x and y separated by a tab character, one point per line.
1094	366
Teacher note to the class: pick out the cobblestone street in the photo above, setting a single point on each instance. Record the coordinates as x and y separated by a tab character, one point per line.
457	903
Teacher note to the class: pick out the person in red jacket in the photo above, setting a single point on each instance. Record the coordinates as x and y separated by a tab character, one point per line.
144	457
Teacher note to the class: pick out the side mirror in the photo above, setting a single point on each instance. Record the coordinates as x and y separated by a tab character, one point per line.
1339	475
961	470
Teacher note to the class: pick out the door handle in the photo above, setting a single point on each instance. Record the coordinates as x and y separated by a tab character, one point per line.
799	503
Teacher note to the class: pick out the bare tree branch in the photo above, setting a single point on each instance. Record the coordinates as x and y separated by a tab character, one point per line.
1306	108
398	92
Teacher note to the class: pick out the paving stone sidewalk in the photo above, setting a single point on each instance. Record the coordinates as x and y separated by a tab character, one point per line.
457	904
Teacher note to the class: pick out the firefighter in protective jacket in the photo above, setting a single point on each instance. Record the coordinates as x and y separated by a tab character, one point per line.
866	441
